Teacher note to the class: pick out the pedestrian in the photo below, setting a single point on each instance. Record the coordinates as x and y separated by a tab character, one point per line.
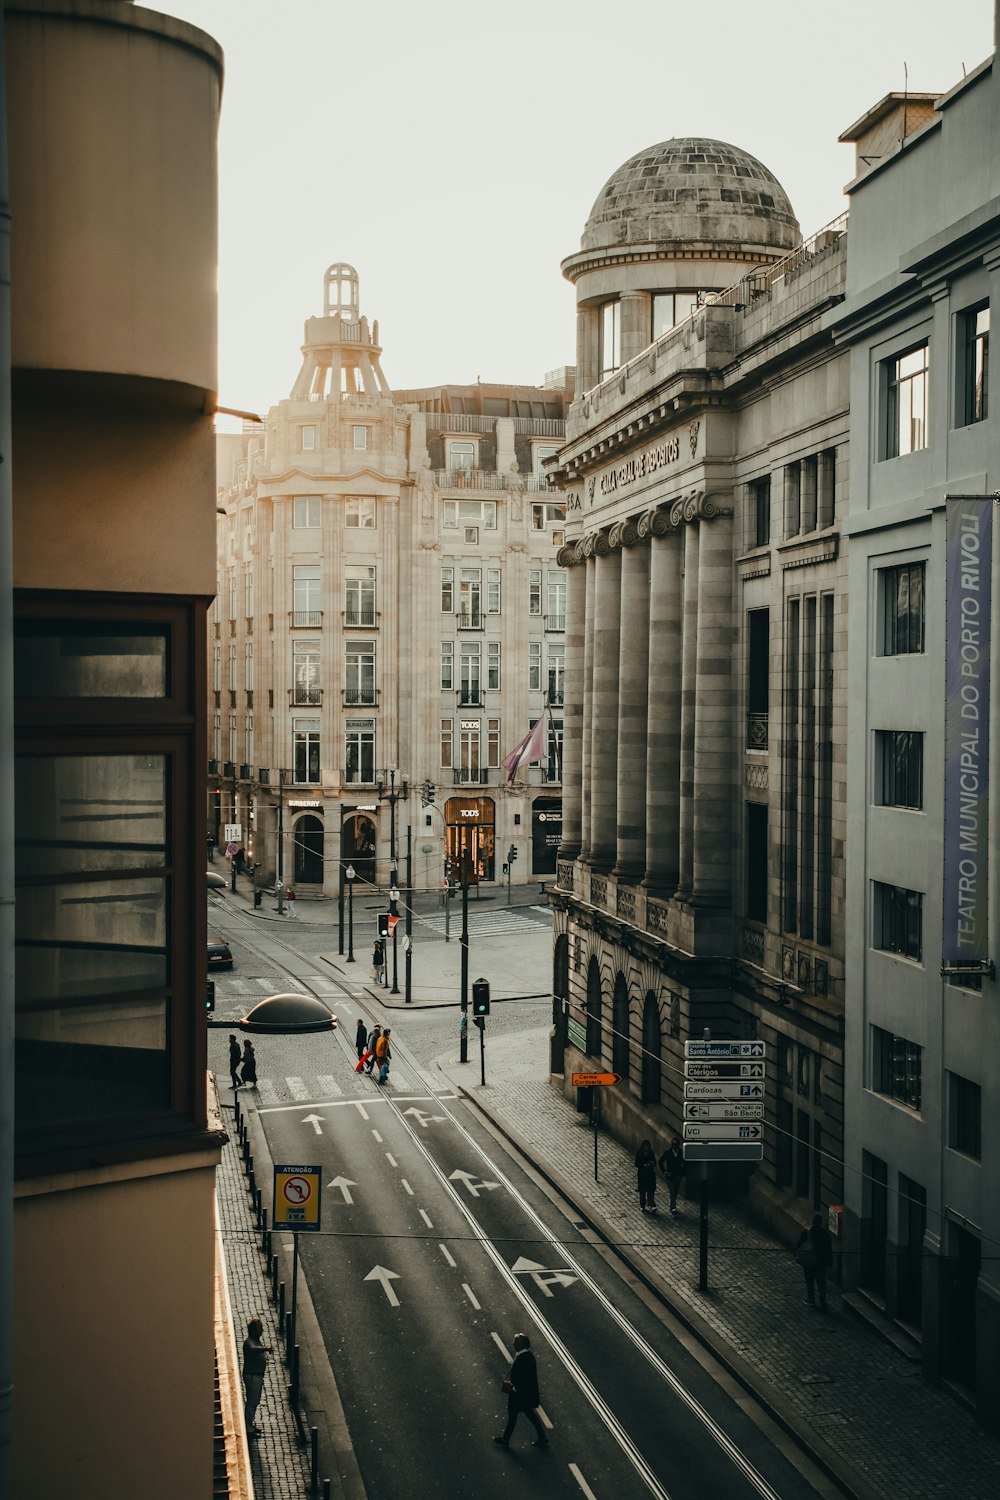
378	960
673	1167
290	901
249	1065
238	859
235	1058
373	1039
521	1386
814	1254
645	1167
361	1039
255	1357
383	1054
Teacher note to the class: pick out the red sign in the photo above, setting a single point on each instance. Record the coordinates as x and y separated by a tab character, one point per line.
392	923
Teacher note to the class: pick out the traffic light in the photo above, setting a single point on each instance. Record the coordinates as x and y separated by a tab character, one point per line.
511	854
427	793
210	997
383	924
481	998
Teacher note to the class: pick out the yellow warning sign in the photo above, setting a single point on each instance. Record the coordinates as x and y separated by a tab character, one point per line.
296	1197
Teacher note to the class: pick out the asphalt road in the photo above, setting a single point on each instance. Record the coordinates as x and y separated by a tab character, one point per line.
437	1247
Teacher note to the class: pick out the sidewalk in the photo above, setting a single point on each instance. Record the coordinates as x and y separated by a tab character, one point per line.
861	1407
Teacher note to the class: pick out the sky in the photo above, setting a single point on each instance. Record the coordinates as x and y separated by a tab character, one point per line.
451	151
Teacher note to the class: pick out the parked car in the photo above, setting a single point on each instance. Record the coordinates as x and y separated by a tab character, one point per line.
220	955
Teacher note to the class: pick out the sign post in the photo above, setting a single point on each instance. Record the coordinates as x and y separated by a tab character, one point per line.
595	1081
297	1192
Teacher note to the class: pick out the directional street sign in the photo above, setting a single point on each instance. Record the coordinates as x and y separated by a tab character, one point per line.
296	1197
723	1070
590	1080
704	1090
576	1034
725	1049
723	1151
728	1109
716	1132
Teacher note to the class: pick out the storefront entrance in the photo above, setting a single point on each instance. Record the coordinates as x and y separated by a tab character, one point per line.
470	837
358	846
546	834
307	835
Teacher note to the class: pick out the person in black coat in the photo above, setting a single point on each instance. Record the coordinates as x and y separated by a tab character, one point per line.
645	1169
521	1386
235	1058
361	1039
673	1167
814	1254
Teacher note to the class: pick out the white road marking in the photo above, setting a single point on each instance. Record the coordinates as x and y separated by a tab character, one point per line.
426	1218
406	1186
385	1276
466	1288
267	1091
502	1347
345	1184
377	1136
264	984
328	1084
447	1254
400	1080
391	1159
544	1417
360	1108
582	1482
297	1088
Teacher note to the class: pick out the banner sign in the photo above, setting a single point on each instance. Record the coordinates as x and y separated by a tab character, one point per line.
967	728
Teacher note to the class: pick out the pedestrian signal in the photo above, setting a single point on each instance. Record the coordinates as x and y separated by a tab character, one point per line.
481	998
511	854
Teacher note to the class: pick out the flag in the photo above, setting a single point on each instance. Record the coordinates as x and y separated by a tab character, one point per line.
532	747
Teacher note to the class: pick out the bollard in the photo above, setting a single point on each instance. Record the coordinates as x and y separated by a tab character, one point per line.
295	1367
281	1305
288	1337
265	1239
258	1205
314	1461
326	1488
274	1278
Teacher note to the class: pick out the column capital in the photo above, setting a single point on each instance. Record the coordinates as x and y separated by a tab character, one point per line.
624	533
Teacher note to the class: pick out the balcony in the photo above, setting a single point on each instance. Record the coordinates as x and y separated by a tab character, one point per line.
555	622
263	776
554	697
470	619
469	776
468	479
361	619
310	697
469	697
229	768
246	772
361	697
305	619
214	767
756	731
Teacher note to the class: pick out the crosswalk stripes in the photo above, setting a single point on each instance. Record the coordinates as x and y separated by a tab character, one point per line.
267	1091
483	923
293	1089
328	1084
297	1088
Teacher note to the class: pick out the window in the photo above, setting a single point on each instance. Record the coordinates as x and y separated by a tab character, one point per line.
217	669
217	738
305	512
248	593
555	601
447	666
534	666
896	1067
305	594
359	512
902	610
305	674
898	919
307	439
361	437
492	591
547	513
232	738
232	593
965	1127
470	602
758	671
759	512
248	666
456	513
540	452
359	674
553	766
232	669
610	338
557	671
447	742
906	402
899	768
973	365
248	740
447	591
535	591
359	752
305	751
669	309
359	596
468	750
493	666
461	457
469	664
493	743
755	904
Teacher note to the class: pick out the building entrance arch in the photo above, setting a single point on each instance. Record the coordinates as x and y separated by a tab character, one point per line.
357	845
470	833
308	835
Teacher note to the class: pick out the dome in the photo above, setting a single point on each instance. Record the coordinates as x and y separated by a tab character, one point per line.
692	192
290	1012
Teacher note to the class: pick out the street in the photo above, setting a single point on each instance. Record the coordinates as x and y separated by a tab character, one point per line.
437	1246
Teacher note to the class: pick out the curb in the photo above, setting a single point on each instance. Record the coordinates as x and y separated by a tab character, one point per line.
854	1485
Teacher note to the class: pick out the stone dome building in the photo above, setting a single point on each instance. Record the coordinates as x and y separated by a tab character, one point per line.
678	220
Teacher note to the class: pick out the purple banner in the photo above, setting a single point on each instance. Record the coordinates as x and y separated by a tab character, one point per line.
965	935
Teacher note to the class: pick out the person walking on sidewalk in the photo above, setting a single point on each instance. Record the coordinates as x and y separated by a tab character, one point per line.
372	1045
249	1075
383	1054
361	1039
378	960
290	901
814	1254
235	1058
521	1386
645	1168
255	1357
673	1167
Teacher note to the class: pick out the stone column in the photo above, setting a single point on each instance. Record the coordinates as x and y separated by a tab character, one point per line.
633	696
713	791
587	341
588	700
604	713
572	762
636	320
689	634
663	741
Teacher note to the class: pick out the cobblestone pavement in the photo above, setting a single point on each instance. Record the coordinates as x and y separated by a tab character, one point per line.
280	1467
863	1407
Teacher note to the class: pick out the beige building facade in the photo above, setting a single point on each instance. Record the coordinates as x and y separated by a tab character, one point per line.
390	621
700	882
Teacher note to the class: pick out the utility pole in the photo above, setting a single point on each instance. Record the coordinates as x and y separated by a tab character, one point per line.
281	843
408	985
463	1049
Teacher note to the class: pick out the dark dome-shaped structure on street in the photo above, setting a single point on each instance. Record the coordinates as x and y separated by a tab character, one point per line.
290	1012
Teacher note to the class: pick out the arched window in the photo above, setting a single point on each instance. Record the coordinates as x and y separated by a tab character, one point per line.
651	1072
560	995
619	1040
593	1010
340	287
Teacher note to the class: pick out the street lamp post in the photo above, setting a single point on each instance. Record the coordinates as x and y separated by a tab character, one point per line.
463	1043
394	912
340	904
282	778
408	982
350	873
392	796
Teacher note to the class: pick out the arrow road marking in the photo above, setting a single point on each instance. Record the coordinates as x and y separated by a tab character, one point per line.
383	1274
541	1276
313	1120
345	1184
421	1117
472	1183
